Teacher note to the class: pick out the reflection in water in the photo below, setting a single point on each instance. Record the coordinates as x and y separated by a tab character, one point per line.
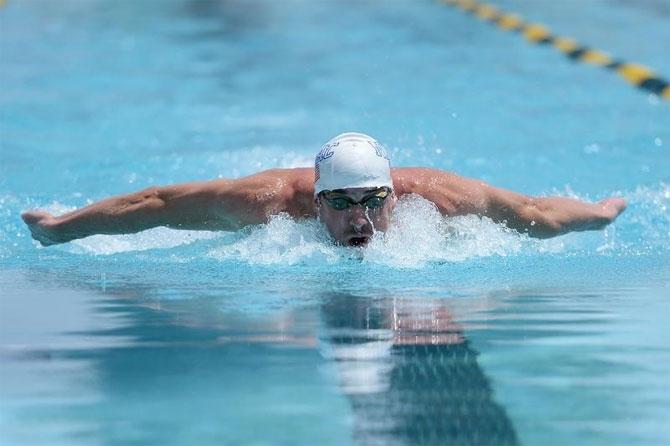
189	372
410	375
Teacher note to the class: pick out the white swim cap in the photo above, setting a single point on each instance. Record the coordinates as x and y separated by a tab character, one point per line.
351	160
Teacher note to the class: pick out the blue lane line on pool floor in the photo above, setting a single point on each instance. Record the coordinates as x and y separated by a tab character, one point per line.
634	73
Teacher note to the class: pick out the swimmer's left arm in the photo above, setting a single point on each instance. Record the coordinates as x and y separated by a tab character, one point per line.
540	217
545	217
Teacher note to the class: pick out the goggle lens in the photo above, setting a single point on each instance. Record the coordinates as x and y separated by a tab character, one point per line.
342	202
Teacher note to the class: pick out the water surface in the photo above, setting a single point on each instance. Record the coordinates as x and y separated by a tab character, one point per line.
446	331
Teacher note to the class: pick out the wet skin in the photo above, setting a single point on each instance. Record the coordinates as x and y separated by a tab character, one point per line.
229	205
355	225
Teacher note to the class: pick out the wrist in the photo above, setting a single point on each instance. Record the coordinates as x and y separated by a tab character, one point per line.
57	228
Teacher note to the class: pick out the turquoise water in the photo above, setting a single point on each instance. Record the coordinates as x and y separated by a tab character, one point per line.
449	331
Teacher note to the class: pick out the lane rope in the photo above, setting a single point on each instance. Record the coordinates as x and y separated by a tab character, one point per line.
633	73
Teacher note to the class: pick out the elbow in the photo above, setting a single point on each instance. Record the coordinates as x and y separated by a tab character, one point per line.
154	201
153	196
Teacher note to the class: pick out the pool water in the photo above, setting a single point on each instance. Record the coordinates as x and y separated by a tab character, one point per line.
446	331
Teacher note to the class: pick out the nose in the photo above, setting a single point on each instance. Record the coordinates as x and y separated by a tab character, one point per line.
358	219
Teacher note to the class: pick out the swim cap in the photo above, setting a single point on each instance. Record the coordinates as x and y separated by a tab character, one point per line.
351	160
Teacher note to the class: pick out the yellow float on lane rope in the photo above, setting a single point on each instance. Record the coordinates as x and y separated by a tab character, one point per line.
634	73
509	22
536	32
564	44
596	57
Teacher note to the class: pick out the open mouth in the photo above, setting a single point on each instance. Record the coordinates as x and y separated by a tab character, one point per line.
358	241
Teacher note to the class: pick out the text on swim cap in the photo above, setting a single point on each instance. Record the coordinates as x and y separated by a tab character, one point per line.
380	150
326	152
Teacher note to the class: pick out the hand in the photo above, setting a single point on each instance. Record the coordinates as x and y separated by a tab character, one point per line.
42	227
607	211
612	207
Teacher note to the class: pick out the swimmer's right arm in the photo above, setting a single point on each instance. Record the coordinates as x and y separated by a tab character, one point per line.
213	205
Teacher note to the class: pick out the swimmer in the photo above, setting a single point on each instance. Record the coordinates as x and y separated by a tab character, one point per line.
352	190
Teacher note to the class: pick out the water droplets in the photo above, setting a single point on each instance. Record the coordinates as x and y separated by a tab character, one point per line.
418	235
281	241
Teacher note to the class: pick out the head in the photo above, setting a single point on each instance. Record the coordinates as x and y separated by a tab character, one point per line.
353	190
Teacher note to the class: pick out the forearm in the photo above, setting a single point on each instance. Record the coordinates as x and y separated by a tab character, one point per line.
545	217
212	205
117	215
189	206
536	216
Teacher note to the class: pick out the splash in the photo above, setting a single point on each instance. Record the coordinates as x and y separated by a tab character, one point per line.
645	226
282	241
419	234
156	238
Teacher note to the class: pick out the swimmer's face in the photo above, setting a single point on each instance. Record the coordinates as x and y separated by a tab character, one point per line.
352	215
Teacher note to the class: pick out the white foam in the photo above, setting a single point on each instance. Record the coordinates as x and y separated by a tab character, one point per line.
156	238
282	240
418	235
648	216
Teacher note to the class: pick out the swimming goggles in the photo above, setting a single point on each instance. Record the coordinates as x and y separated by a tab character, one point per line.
342	202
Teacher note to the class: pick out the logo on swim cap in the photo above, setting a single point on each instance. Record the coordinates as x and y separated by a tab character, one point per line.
352	160
326	152
380	150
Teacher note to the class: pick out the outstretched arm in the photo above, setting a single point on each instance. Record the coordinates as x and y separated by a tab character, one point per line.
212	205
545	217
540	217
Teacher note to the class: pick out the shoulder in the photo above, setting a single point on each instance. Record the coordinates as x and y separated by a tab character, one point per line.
418	180
297	181
451	193
299	193
283	190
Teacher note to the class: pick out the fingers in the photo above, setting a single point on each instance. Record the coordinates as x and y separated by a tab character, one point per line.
33	217
37	222
613	206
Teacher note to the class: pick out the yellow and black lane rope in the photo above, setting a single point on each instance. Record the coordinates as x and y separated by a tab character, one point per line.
634	73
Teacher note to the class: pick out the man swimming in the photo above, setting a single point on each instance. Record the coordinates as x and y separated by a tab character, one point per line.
352	190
